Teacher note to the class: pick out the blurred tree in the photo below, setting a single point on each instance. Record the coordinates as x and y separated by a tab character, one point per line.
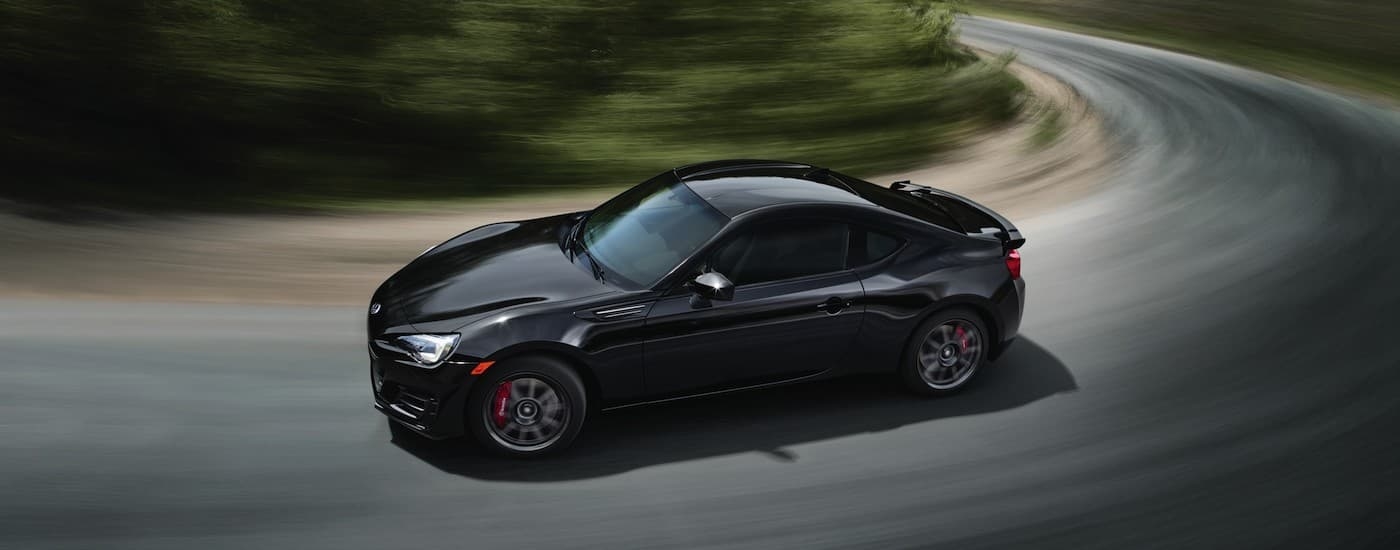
231	103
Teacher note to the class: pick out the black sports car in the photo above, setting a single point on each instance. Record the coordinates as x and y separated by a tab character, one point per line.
708	278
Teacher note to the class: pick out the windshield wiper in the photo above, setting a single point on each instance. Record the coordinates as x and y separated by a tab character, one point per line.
575	234
597	269
574	244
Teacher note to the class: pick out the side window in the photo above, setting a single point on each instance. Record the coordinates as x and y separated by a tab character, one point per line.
774	252
868	246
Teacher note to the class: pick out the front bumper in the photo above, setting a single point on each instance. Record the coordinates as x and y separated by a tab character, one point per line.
431	402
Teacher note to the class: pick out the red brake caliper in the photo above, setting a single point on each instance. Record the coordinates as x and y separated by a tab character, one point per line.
498	406
962	338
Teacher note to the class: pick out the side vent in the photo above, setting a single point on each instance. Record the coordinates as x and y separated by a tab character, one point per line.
615	312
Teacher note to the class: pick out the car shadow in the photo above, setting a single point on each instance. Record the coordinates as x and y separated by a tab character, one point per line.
762	420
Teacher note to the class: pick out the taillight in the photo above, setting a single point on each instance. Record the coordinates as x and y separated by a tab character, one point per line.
1013	263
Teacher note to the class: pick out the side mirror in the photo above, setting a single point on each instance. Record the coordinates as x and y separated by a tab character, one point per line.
712	286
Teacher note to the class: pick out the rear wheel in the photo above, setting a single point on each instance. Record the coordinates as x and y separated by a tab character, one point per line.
527	407
945	352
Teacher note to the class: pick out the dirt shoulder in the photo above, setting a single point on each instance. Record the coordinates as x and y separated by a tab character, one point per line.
1055	152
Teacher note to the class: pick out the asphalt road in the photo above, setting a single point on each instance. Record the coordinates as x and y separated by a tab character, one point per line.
1209	360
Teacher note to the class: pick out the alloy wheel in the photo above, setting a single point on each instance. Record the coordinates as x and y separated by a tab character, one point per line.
526	413
949	354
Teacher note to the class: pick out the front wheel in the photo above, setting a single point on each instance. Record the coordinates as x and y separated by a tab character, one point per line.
527	407
944	353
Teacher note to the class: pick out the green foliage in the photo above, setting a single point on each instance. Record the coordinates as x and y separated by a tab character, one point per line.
212	103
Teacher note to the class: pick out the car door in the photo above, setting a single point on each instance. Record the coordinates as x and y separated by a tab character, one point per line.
795	312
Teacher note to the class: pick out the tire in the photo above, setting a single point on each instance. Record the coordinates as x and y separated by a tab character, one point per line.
940	360
540	413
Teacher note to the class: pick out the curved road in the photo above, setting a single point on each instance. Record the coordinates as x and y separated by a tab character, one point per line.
1209	360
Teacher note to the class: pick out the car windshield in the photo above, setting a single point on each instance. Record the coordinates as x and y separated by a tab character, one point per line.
644	233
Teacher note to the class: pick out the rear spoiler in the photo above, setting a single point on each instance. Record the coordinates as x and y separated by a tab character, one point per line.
1010	237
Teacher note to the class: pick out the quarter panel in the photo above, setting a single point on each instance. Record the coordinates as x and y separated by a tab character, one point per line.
927	276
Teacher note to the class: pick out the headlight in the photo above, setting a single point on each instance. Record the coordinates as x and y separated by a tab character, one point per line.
428	350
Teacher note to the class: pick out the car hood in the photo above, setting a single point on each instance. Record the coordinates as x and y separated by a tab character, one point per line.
482	271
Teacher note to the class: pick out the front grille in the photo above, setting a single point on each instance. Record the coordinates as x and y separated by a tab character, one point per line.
417	406
414	401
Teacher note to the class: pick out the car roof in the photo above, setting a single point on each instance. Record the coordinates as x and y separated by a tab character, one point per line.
737	186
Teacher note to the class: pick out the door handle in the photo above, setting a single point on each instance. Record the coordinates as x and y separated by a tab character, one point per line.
834	305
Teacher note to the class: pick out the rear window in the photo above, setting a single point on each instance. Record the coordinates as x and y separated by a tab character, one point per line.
971	219
904	203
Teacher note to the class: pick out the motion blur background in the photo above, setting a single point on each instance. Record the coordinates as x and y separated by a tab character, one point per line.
271	103
199	195
238	104
1346	43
